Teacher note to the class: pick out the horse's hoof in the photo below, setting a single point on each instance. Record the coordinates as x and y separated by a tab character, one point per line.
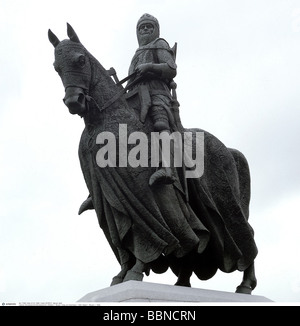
116	280
133	276
180	283
244	289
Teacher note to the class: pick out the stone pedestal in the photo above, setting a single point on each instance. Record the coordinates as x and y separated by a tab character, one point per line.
134	291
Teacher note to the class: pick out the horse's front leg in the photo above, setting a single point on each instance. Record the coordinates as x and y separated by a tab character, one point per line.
136	273
249	281
126	264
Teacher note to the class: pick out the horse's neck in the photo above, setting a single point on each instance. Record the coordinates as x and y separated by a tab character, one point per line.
102	89
102	86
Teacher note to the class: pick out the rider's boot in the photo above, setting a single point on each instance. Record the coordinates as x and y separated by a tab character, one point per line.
164	175
86	205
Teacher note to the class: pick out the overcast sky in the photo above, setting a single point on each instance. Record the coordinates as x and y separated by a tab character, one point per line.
238	78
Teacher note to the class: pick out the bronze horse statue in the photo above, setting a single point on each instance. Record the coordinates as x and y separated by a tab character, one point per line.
195	225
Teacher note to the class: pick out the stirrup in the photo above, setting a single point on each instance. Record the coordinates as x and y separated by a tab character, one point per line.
160	177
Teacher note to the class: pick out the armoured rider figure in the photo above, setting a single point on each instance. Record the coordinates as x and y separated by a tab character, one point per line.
153	67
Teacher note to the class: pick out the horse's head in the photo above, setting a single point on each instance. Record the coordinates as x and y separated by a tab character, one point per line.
72	62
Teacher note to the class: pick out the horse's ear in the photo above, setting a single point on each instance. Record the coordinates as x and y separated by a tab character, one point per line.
53	38
71	33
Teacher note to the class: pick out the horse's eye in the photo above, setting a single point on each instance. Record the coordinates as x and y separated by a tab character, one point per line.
81	60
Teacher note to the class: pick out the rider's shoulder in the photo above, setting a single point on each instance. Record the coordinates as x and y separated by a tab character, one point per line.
161	43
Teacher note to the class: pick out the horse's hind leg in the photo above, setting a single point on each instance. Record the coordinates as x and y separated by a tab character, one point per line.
249	281
186	266
184	276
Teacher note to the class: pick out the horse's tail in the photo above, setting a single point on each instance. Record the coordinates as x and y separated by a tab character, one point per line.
244	179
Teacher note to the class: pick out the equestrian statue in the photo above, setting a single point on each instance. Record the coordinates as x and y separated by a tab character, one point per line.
155	216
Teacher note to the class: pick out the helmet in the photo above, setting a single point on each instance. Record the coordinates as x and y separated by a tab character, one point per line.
145	39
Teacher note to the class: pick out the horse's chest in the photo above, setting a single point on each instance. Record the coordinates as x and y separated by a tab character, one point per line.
88	142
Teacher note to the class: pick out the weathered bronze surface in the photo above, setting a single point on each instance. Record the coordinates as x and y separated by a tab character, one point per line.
155	218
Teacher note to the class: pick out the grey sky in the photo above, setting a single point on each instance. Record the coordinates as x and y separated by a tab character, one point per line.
238	78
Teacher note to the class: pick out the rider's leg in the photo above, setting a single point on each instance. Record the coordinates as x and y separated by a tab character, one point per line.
164	174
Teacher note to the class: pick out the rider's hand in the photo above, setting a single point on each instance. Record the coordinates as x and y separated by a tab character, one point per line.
144	68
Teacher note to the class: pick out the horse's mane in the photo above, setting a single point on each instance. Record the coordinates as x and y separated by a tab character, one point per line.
102	85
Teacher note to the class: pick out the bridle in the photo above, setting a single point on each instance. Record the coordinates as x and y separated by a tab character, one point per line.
109	102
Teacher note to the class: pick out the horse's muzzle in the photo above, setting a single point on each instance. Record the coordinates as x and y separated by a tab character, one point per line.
75	100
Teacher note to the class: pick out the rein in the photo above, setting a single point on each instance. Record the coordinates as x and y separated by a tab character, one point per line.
123	91
117	95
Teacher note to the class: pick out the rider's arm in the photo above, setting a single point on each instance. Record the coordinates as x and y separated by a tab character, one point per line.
162	70
165	67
